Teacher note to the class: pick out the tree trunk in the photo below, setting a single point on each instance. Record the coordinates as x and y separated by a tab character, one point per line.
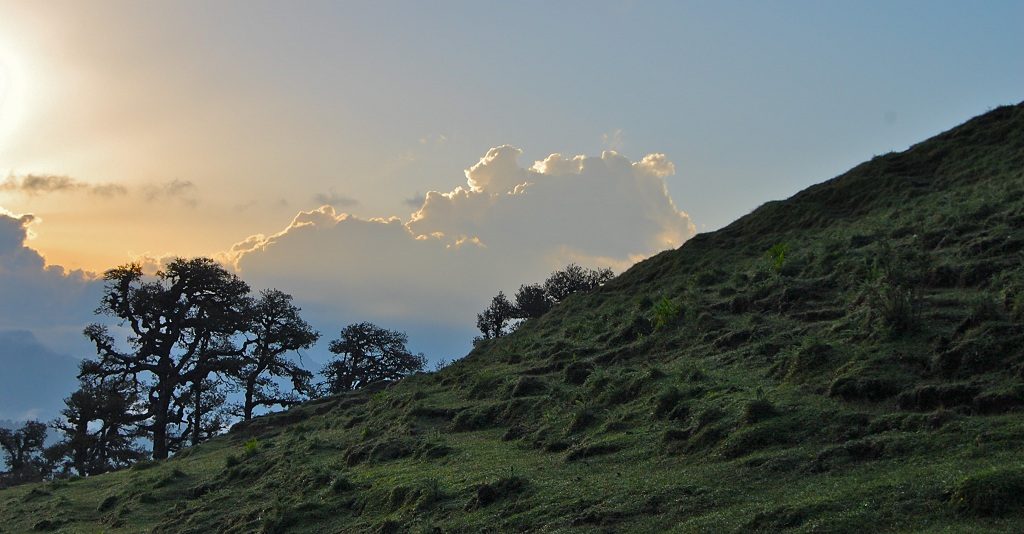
197	414
160	425
250	385
160	436
81	447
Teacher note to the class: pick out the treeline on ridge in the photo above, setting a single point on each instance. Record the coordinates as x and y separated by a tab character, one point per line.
192	339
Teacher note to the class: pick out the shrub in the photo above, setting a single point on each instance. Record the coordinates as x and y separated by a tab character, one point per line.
992	492
529	385
251	447
758	410
489	493
582	417
892	287
777	256
341	485
477	417
665	312
107	503
668	404
590	450
576	373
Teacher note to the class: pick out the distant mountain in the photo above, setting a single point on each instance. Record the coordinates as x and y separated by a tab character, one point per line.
850	359
33	379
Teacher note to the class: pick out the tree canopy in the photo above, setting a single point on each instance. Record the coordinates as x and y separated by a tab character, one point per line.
534	300
180	327
367	353
274	330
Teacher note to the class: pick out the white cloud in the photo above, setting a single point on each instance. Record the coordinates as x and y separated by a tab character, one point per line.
508	225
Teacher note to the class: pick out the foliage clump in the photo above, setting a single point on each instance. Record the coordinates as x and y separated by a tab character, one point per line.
996	491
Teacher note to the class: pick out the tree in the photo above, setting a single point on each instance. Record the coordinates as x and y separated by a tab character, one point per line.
180	325
368	353
274	329
575	279
204	415
492	321
532	301
97	424
23	450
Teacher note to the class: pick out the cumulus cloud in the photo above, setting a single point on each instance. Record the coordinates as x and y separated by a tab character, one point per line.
183	191
40	184
332	198
601	206
48	300
508	224
45	307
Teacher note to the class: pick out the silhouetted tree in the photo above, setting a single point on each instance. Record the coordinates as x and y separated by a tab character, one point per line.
180	324
274	328
492	321
204	415
368	353
575	279
23	450
532	301
97	423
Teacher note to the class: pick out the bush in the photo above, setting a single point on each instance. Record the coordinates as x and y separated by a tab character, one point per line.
892	287
477	417
107	503
777	256
666	312
989	493
758	410
582	450
341	485
576	373
668	404
251	447
529	385
582	417
487	494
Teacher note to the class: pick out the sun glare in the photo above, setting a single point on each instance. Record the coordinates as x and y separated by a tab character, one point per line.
12	93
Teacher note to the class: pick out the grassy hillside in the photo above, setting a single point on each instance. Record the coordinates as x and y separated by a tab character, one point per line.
849	359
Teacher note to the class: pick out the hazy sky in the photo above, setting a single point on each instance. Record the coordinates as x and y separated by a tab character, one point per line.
144	129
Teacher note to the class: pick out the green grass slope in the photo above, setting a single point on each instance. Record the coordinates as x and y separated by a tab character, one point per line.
849	359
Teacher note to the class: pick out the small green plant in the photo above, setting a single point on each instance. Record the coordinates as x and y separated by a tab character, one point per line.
251	447
665	312
777	255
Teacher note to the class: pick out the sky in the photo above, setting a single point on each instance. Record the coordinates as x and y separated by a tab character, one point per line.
401	162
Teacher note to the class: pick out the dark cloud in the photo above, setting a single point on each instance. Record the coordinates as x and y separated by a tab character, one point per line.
183	191
41	184
332	198
416	201
109	190
51	302
35	379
